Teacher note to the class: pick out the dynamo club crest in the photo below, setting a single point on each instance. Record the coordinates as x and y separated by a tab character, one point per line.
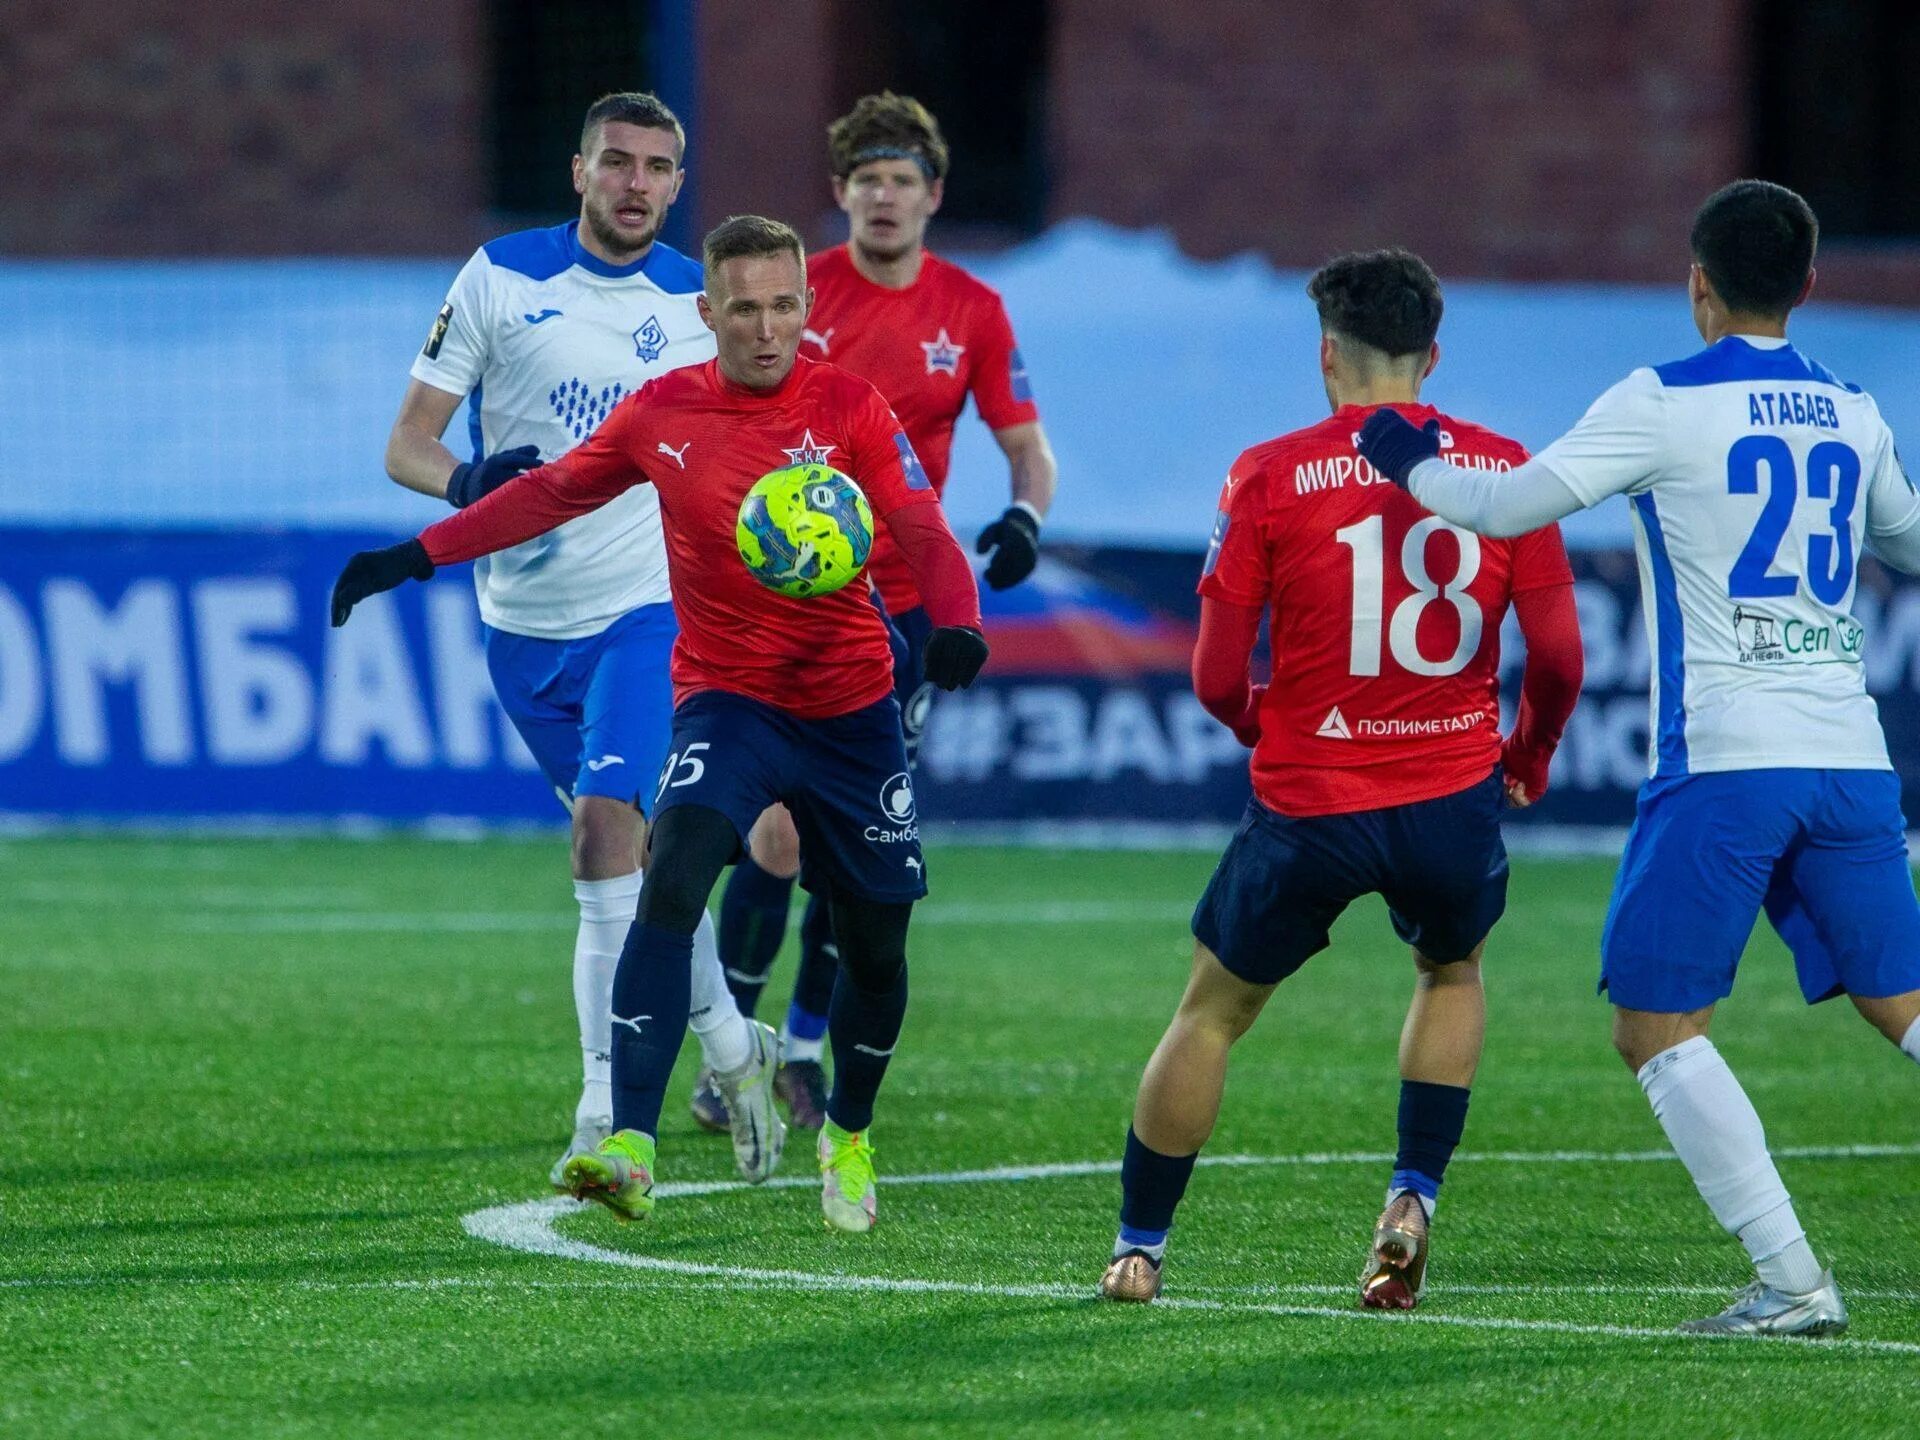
650	341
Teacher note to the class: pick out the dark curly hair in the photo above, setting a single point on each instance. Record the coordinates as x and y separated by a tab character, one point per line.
1386	299
885	123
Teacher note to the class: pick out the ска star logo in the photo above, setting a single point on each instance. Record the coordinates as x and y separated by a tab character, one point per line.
943	356
809	451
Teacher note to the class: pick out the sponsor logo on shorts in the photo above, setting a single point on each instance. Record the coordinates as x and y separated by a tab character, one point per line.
604	761
897	806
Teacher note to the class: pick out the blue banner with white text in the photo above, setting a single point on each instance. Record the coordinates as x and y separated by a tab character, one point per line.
181	676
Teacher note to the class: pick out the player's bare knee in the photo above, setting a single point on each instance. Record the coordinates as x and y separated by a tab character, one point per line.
1219	1001
1465	971
605	838
775	843
1891	1015
1639	1035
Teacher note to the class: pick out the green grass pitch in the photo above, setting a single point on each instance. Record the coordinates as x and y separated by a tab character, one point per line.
250	1089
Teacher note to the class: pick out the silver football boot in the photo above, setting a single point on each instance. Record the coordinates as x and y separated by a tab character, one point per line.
1762	1310
759	1134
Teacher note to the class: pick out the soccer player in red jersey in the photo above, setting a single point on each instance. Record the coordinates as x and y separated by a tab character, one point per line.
928	335
776	699
1378	765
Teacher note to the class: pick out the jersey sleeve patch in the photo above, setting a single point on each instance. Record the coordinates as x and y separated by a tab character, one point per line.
910	463
1216	543
1017	379
437	336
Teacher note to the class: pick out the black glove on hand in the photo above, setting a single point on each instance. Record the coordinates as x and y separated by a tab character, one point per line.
1017	534
372	571
1393	447
469	482
954	656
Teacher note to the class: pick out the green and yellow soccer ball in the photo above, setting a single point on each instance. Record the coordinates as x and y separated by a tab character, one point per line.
805	530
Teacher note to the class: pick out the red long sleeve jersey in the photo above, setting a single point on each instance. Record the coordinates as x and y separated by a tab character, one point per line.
702	441
1385	620
927	347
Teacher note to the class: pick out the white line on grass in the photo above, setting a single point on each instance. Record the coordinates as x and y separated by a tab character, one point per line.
1072	1169
1045	912
528	1227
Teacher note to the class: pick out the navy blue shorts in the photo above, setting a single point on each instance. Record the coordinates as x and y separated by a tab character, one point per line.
911	687
595	711
1441	865
1824	852
844	779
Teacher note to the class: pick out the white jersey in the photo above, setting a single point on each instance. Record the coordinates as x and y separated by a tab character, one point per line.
546	338
1755	479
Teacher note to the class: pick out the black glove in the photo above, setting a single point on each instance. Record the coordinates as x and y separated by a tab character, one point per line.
372	571
1393	447
470	481
954	656
1017	534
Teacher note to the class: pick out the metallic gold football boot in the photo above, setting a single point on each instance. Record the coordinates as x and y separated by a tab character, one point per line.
1133	1277
1396	1268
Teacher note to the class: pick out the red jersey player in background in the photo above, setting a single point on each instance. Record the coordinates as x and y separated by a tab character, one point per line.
928	335
1378	765
775	698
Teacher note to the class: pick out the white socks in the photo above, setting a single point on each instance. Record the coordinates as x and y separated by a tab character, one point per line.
1910	1045
606	913
1717	1135
726	1041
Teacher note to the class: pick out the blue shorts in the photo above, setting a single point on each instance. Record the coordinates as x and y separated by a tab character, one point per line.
1824	852
844	779
1441	865
911	689
596	712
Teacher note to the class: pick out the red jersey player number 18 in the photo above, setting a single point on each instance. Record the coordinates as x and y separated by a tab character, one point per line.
1385	619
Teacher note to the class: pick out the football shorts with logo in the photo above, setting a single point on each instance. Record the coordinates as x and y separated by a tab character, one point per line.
844	778
1440	864
1823	852
596	712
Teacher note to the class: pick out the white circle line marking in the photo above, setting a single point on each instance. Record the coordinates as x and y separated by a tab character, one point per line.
528	1227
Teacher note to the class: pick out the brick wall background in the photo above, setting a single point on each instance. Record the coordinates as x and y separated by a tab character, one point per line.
219	128
1529	139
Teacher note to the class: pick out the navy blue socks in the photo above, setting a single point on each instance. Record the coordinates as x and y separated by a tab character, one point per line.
1432	1118
652	995
864	1026
753	923
1151	1185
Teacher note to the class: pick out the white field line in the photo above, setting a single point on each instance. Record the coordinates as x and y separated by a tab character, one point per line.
170	894
1046	912
688	1282
528	1227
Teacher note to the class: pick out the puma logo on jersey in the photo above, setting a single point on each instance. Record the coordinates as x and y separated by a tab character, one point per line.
817	337
679	456
1334	727
604	761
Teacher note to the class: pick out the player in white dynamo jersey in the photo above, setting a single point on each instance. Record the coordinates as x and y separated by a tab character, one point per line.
543	332
1756	479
